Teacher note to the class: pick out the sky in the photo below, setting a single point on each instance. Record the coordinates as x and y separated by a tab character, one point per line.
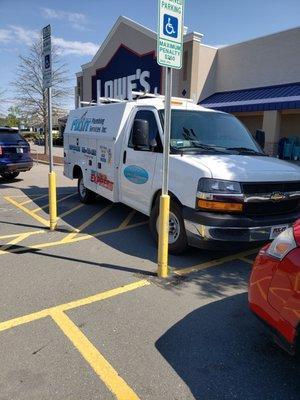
79	27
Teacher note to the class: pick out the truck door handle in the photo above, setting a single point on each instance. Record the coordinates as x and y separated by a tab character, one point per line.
124	157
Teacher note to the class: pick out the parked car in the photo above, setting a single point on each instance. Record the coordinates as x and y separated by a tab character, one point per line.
274	288
14	153
224	189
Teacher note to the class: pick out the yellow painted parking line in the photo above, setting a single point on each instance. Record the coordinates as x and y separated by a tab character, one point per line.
20	233
27	211
71	305
58	201
86	224
25	195
18	239
71	210
99	364
247	260
103	295
33	199
127	219
109	231
94	218
75	239
213	263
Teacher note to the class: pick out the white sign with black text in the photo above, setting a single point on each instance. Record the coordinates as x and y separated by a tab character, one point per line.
47	59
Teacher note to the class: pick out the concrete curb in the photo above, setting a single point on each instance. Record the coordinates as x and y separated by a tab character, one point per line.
46	162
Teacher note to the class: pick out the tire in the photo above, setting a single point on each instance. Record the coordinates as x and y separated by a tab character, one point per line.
8	176
178	241
86	196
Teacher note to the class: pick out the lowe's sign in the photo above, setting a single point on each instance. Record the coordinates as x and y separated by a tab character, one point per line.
127	71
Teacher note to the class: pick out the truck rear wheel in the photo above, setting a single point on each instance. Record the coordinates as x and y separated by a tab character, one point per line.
86	196
177	234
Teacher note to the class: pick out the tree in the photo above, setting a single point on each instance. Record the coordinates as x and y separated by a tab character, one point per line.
28	85
2	101
13	117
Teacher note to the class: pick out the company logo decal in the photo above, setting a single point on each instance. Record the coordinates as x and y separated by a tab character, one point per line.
125	72
94	125
136	174
101	180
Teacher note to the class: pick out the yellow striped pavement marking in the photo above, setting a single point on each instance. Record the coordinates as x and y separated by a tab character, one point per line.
127	219
212	263
73	304
58	201
247	260
86	224
20	233
98	363
33	199
75	239
27	211
18	239
64	214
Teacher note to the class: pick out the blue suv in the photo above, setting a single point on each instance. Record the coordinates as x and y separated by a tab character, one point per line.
14	153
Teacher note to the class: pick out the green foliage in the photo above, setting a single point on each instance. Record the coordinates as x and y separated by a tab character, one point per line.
13	117
2	121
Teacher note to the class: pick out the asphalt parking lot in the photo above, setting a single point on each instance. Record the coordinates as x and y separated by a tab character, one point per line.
83	315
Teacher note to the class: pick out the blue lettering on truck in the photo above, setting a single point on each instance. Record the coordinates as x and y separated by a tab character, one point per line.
136	174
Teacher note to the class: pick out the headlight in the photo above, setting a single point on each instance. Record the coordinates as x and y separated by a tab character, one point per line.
282	245
209	185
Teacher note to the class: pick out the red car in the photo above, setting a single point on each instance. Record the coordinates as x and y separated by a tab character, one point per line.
274	288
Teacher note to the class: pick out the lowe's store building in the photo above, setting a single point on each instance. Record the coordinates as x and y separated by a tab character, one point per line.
257	80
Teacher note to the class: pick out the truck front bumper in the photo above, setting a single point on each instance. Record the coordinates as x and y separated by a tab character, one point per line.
205	229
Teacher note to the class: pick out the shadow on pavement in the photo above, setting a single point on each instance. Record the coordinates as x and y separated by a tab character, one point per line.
136	242
39	252
214	282
222	352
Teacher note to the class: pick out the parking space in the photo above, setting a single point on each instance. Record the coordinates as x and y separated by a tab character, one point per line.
84	316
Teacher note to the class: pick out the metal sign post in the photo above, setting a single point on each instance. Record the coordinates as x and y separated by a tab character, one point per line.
47	84
169	55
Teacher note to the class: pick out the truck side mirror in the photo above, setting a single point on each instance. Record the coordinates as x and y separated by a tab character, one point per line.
140	134
260	137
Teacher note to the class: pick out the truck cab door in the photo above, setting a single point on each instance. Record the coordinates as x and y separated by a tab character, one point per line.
138	165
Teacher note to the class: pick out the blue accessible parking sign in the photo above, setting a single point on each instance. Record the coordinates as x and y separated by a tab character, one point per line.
170	26
170	33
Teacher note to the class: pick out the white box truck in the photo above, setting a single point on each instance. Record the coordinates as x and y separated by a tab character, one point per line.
223	188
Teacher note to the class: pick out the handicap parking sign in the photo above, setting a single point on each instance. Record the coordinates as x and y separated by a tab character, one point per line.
170	26
170	33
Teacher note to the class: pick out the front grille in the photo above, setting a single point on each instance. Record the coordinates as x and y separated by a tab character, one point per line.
270	187
271	208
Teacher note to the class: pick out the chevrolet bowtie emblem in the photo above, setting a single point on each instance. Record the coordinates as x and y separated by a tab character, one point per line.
278	196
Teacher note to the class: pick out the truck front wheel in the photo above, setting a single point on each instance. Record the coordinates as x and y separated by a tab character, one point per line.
85	195
177	234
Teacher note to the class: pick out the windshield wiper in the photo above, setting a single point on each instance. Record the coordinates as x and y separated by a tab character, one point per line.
203	146
196	146
245	150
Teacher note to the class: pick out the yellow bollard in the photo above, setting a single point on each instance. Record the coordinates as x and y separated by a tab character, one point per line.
52	200
163	236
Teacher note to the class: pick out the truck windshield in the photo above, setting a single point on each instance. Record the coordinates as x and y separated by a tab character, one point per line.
210	131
